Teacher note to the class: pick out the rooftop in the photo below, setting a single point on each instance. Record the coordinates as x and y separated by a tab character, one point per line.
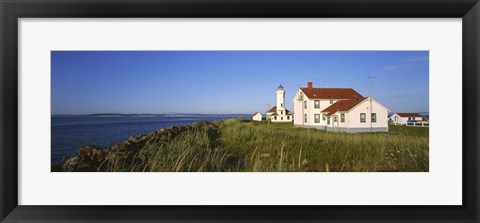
342	105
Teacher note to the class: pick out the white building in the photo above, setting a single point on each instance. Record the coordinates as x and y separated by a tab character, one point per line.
338	109
278	113
257	116
405	118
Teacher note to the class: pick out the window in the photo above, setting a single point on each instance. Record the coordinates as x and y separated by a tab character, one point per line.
335	118
317	103
363	118
281	112
317	118
288	117
305	117
323	117
281	118
305	104
331	101
328	120
275	117
281	104
342	117
374	117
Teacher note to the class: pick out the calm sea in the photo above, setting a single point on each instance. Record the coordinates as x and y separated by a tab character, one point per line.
69	133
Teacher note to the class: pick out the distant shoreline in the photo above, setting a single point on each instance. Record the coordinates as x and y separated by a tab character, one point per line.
147	115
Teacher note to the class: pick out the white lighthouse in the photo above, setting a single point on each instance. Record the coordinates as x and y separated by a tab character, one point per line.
280	98
279	113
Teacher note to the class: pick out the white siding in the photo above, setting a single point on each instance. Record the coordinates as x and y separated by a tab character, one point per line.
297	109
340	123
353	116
297	112
310	111
257	117
281	118
402	120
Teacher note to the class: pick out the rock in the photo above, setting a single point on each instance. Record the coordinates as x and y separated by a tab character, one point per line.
91	158
90	153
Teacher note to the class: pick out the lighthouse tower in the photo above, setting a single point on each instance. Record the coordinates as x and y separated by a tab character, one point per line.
279	113
280	100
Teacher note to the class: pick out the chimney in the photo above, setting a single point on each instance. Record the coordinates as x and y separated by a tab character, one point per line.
310	85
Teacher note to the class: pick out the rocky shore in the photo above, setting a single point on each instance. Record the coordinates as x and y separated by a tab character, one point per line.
92	159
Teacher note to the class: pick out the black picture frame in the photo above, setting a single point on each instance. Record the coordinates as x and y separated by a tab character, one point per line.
11	11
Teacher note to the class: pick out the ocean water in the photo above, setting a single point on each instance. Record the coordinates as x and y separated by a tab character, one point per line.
69	133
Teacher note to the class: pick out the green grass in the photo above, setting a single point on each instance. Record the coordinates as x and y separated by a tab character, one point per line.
243	146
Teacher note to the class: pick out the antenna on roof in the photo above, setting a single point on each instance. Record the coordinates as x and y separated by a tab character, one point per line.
370	80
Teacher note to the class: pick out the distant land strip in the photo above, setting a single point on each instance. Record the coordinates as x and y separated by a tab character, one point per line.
164	115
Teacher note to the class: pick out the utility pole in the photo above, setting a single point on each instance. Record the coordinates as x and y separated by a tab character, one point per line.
370	80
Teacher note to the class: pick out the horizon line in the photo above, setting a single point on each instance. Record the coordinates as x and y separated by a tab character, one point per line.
131	114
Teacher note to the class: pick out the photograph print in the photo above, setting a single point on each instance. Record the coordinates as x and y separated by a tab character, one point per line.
240	111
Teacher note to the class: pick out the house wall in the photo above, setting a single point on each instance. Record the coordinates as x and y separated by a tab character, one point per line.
352	119
393	119
323	105
281	118
353	116
310	111
297	112
399	121
339	123
257	117
297	109
268	115
402	120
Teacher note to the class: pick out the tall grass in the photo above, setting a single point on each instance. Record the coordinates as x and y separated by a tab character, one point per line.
242	146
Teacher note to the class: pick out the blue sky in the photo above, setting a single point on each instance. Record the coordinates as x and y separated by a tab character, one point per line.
225	82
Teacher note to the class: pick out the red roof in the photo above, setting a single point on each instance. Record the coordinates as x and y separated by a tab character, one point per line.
342	105
331	93
256	113
409	114
273	109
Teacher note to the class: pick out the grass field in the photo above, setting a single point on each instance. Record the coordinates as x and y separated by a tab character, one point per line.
244	146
